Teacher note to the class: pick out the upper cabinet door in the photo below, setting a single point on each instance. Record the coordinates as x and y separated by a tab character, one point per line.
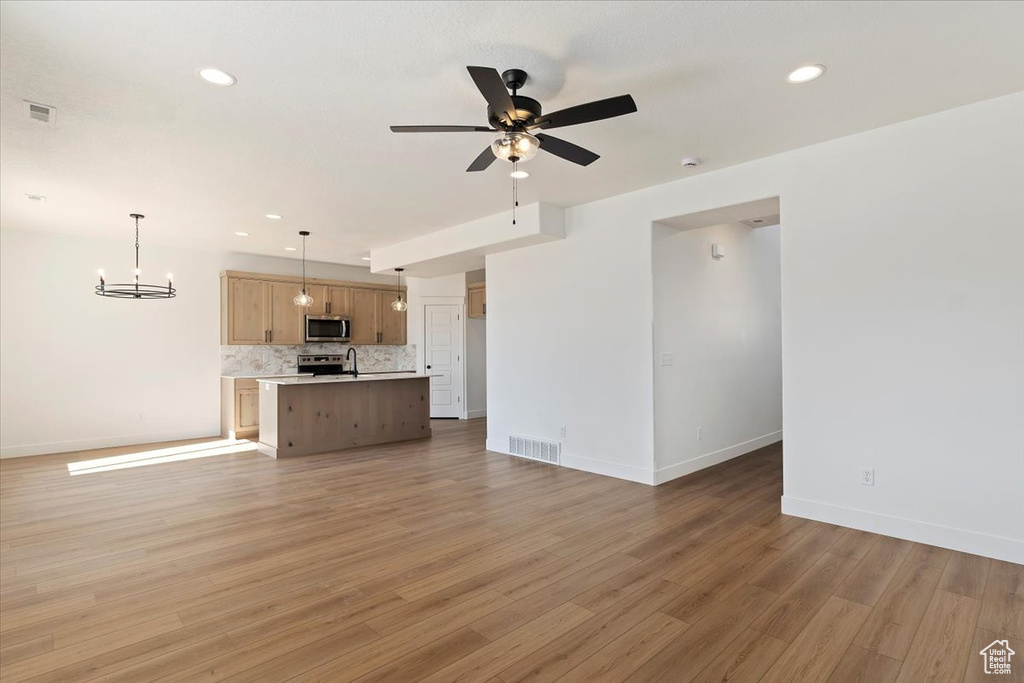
340	298
320	300
363	310
247	310
285	317
477	302
392	322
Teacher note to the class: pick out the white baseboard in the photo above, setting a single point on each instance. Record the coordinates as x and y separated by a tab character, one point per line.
608	469
681	469
104	442
974	542
474	414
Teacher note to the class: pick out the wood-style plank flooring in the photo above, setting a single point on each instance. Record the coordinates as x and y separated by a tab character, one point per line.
438	561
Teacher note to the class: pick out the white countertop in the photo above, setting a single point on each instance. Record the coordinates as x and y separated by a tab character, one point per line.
330	379
286	374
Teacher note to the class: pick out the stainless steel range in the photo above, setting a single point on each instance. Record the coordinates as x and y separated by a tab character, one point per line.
322	365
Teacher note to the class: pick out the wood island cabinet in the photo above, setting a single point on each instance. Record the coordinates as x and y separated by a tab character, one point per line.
258	309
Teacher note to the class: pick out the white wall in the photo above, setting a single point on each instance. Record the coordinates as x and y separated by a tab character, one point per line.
902	327
80	371
720	321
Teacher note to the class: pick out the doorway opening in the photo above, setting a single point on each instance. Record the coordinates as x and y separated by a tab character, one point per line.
717	336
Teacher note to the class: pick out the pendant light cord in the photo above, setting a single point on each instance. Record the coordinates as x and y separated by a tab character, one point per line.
136	254
303	265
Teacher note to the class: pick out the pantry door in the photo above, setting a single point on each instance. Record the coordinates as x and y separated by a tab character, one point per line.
443	359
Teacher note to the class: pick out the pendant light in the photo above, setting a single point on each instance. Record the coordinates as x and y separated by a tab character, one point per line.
302	298
136	290
399	304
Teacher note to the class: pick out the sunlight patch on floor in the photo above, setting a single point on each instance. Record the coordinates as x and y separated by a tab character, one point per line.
161	455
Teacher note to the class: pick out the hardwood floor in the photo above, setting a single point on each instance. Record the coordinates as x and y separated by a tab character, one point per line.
436	561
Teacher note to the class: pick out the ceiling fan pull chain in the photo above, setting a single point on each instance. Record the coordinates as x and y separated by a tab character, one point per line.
515	197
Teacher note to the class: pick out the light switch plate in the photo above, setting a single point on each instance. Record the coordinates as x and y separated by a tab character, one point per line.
667	359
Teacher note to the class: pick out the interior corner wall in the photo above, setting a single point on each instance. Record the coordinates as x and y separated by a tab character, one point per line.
717	345
476	357
78	371
902	327
568	343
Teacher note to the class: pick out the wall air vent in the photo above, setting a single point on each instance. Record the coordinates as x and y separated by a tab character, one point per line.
762	221
534	449
40	112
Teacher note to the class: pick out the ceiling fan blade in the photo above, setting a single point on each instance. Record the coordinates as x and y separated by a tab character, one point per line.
567	150
441	129
485	159
585	113
489	82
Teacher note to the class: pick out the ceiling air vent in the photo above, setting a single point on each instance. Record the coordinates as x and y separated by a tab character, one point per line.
534	449
41	112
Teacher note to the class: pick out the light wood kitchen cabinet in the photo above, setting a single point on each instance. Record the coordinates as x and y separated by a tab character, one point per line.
373	319
319	294
286	319
260	312
363	313
338	300
240	408
328	300
258	309
246	314
392	322
477	300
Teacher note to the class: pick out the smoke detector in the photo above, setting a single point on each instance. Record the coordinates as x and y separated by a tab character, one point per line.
43	113
691	162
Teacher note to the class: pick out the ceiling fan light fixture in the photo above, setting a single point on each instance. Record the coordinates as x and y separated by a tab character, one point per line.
515	146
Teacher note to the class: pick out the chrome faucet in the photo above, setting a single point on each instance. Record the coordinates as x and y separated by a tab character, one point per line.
355	360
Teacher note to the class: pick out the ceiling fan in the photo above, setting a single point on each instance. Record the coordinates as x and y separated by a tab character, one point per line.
514	116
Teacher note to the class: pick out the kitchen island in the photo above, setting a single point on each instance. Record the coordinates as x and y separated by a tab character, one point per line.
307	415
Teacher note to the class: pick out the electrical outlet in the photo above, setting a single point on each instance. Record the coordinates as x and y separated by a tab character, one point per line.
700	433
867	476
561	432
667	359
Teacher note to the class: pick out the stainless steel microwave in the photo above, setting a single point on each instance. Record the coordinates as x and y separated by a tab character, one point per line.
328	328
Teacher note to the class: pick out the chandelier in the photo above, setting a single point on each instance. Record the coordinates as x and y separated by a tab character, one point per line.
135	289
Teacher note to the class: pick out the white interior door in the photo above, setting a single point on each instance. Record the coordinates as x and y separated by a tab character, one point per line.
443	352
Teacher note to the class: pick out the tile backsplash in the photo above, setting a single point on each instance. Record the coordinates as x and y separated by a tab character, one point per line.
272	360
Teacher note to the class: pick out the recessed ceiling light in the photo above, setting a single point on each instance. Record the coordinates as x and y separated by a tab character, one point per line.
804	74
242	234
273	216
520	174
366	258
289	248
216	76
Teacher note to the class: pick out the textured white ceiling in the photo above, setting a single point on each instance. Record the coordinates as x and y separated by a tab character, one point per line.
304	133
